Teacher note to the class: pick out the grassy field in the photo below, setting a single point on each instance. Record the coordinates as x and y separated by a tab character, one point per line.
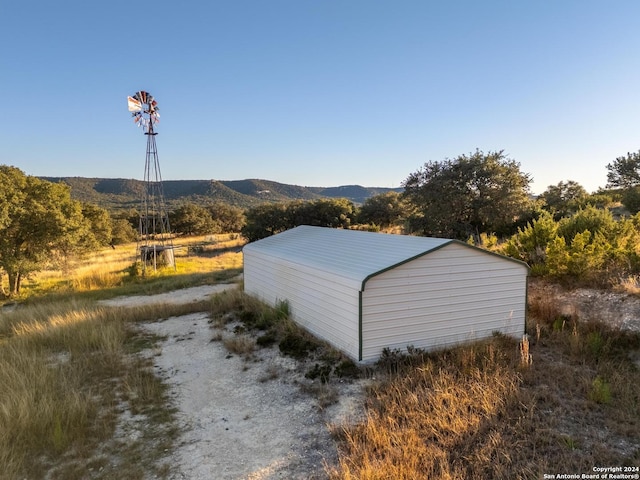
73	374
112	272
70	370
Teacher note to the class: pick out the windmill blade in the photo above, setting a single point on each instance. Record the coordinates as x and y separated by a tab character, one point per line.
133	104
144	108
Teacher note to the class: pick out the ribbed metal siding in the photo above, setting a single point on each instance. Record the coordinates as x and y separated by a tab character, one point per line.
449	296
325	304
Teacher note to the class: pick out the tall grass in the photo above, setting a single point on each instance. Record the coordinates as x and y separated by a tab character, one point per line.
432	417
48	369
68	367
108	272
65	373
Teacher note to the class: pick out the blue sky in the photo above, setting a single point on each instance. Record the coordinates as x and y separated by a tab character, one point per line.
319	92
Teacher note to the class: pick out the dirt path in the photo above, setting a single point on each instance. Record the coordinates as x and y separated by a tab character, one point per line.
185	295
242	419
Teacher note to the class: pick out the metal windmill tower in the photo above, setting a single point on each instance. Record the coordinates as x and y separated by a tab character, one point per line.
155	245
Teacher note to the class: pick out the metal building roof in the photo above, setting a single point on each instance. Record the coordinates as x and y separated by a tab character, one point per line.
352	254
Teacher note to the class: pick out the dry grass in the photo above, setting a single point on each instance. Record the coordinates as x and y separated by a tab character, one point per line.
475	413
67	374
240	344
47	370
107	272
629	284
435	418
70	372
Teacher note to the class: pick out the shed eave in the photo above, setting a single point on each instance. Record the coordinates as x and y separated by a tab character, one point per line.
406	260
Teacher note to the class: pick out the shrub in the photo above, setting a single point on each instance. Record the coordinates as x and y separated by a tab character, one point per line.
267	339
296	344
600	391
322	372
347	368
595	343
239	344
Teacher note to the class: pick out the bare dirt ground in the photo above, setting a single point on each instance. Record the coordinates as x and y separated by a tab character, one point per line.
259	417
617	309
243	418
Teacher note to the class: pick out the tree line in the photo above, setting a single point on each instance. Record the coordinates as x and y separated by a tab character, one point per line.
483	198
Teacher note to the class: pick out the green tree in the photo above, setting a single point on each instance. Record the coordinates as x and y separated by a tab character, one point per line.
384	210
583	257
192	219
467	196
125	226
624	172
228	217
334	213
530	243
590	219
268	219
589	246
100	226
564	198
265	220
122	231
39	220
631	199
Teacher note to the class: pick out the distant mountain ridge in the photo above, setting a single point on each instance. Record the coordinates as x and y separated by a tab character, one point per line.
120	193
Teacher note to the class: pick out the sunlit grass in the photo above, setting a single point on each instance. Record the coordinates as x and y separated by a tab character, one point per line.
66	372
629	284
51	365
109	271
68	367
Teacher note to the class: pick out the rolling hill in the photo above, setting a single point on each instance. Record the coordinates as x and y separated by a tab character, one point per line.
120	193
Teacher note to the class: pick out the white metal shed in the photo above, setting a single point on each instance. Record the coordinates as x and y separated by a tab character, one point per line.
364	291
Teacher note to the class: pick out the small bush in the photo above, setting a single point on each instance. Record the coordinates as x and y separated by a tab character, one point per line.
248	317
325	393
240	345
135	270
394	361
347	368
391	360
595	344
267	339
322	372
600	391
295	344
558	324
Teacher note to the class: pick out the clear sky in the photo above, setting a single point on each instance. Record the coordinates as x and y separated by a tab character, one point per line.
319	92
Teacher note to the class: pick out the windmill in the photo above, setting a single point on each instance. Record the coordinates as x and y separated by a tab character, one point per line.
155	246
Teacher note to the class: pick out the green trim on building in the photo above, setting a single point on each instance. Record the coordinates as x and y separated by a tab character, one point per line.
360	326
